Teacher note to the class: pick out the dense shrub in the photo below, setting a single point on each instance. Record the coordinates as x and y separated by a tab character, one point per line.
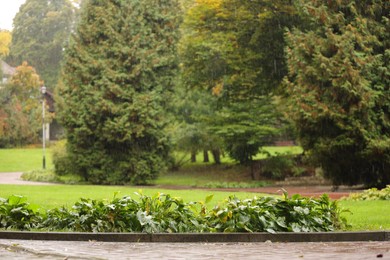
280	166
62	162
371	194
165	214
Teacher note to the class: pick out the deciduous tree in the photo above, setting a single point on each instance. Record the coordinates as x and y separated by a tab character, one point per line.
20	108
230	50
5	40
41	30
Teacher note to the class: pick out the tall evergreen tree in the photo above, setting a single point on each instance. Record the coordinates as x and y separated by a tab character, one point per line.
339	88
41	29
119	69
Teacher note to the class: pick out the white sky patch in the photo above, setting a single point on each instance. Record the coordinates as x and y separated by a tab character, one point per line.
8	10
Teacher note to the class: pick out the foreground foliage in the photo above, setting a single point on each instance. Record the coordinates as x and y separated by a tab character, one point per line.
165	214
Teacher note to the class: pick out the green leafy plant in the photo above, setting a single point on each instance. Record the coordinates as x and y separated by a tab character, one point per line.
17	213
296	214
162	213
371	194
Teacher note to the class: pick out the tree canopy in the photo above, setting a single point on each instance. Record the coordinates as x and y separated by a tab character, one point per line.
41	30
229	50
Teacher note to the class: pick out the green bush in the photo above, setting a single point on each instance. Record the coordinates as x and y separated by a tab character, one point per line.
278	167
164	214
372	194
62	162
51	176
41	176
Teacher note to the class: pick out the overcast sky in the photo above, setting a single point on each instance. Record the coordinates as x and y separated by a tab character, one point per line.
8	10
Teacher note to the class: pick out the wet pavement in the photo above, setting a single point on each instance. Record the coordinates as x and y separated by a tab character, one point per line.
24	249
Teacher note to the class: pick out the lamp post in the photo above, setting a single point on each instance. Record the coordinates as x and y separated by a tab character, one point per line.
43	91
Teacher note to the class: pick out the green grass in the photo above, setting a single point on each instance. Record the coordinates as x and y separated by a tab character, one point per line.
199	173
21	160
367	215
273	150
28	159
196	175
191	174
66	195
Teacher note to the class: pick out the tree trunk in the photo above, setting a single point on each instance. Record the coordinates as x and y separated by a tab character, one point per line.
206	156
193	156
216	155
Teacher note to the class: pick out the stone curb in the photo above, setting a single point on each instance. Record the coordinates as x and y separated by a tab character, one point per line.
201	237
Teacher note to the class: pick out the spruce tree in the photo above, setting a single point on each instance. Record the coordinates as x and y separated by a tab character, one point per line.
119	69
339	88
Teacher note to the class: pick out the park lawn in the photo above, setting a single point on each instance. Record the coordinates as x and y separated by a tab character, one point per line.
23	159
28	159
51	196
367	215
195	175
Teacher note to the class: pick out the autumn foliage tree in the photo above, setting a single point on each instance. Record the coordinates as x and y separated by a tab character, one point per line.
5	40
338	87
20	108
119	70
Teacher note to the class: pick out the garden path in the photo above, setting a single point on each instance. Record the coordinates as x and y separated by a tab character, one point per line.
14	178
